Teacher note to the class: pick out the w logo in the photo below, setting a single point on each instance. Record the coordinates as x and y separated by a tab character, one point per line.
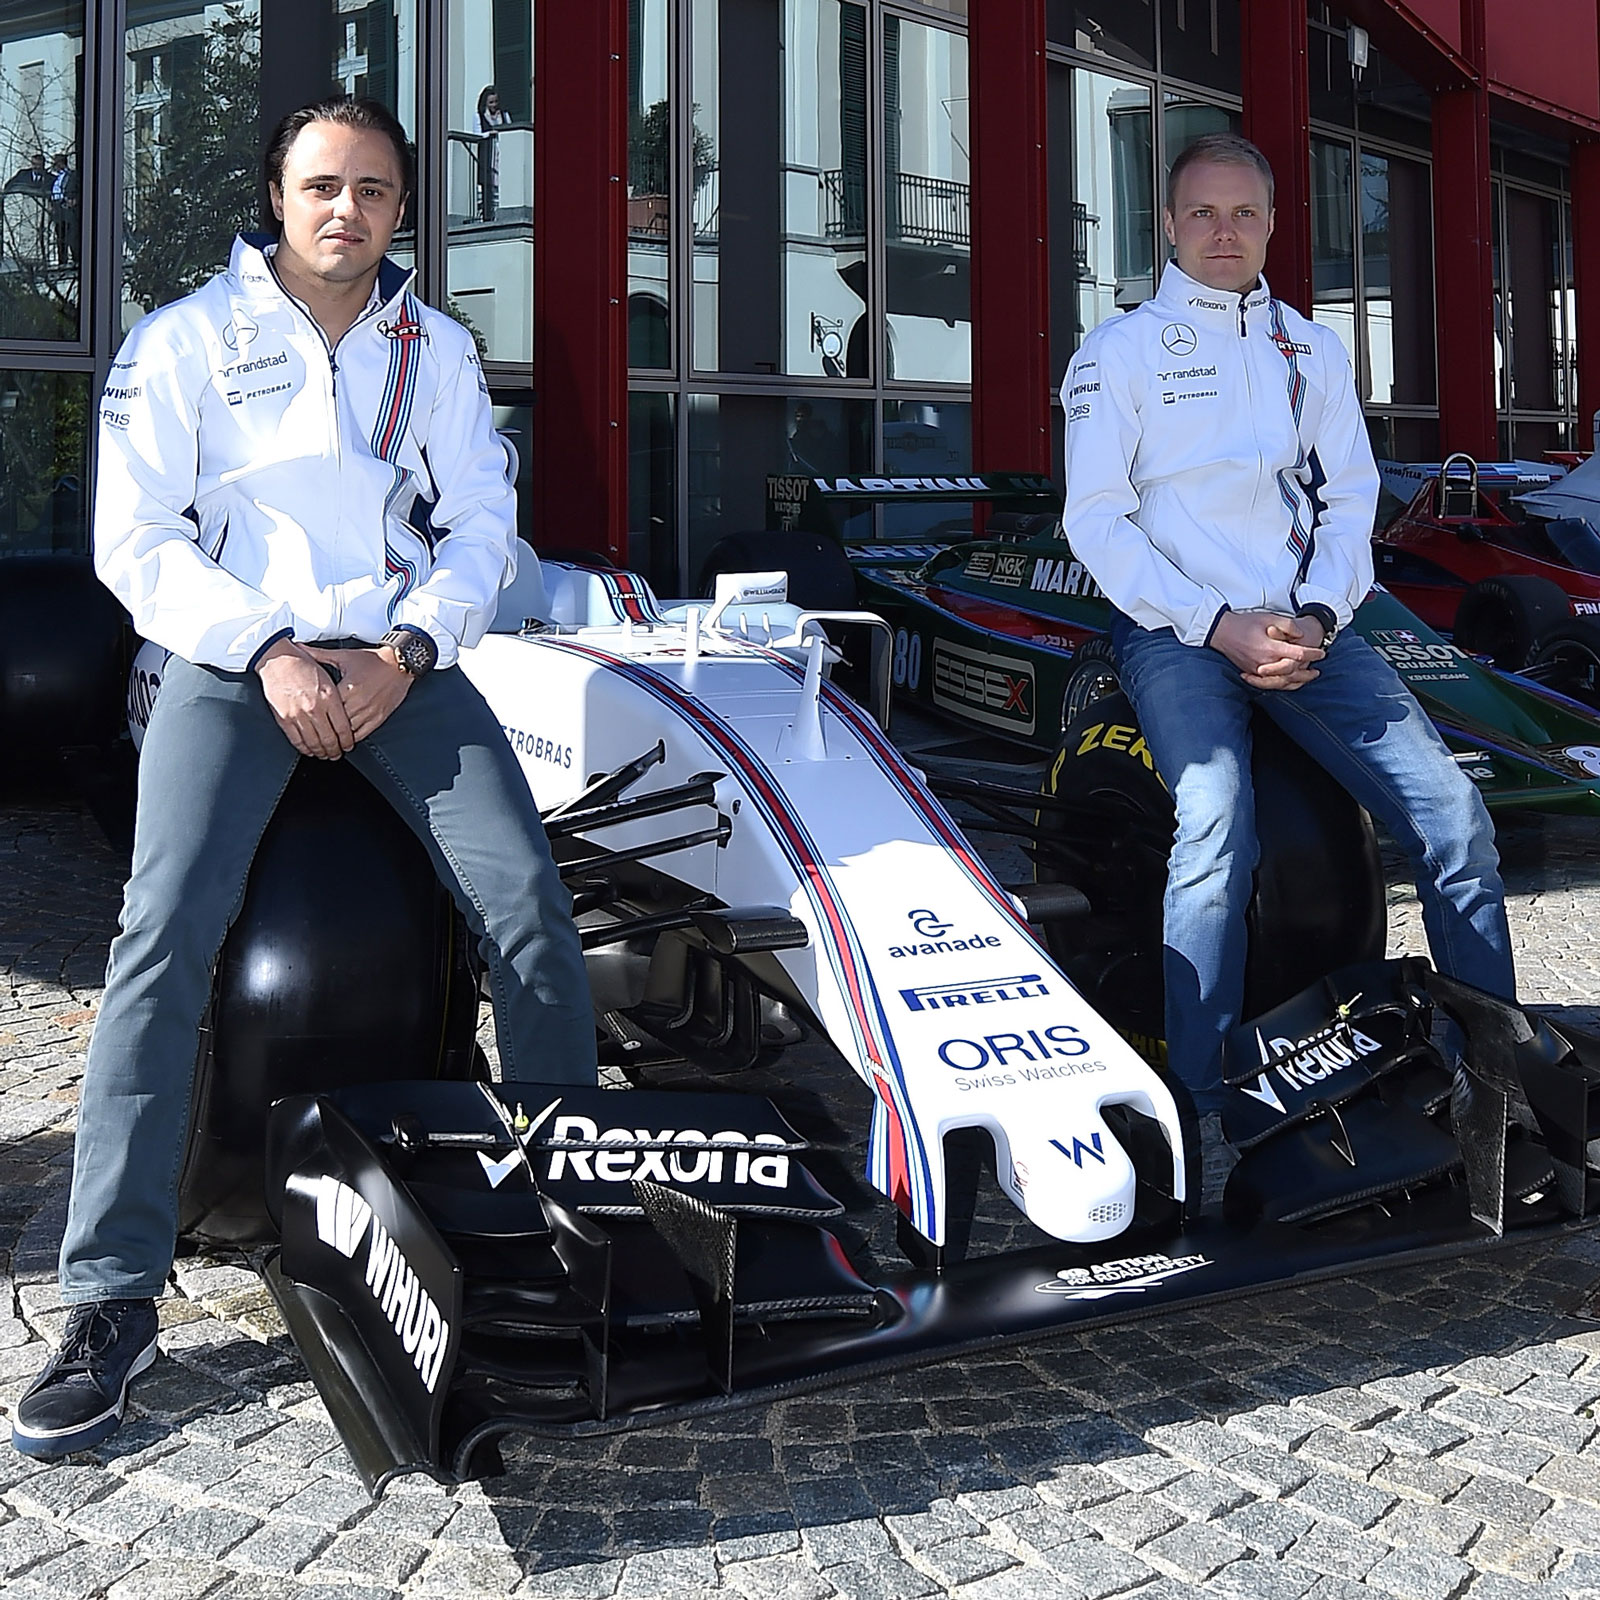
342	1216
1079	1150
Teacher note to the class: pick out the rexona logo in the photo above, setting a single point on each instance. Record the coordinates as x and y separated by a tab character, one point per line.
1131	1275
979	992
343	1220
680	1156
1304	1063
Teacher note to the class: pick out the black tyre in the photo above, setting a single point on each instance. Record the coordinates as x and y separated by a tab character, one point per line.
1319	900
1566	658
820	578
1502	617
1092	676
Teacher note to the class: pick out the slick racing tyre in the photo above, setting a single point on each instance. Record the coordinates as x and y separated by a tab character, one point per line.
1319	897
1092	676
1502	617
820	578
1566	658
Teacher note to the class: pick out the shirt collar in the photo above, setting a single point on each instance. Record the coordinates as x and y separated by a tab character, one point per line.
1181	295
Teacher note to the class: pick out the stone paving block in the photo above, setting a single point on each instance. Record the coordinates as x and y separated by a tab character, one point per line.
941	1521
1262	1579
1357	1454
120	1518
834	1500
1492	1586
960	1561
279	1549
1410	1391
1570	1395
62	1491
888	1579
455	1569
85	1570
1349	1408
1419	1433
775	1578
1204	1444
172	1392
831	1544
1420	1575
1268	1527
239	1427
168	1580
200	1531
1577	1477
1503	1456
1519	1556
1096	1570
27	1541
326	1503
1478	1412
1279	1426
1570	1524
1201	1496
1266	1471
1144	1472
1502	1503
1194	1552
1129	1521
299	1442
1552	1430
1073	1488
1020	1583
1332	1548
197	1467
1430	1526
987	1504
1043	1528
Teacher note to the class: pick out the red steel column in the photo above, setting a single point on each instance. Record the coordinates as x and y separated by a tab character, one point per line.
1010	252
1586	282
1463	267
1277	117
580	337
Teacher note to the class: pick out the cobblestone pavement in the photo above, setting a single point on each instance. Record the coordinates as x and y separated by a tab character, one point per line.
1428	1432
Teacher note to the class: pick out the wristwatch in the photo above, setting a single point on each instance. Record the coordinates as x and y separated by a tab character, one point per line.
1326	616
414	650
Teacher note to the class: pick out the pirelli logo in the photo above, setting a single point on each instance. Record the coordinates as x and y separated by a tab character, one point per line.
997	690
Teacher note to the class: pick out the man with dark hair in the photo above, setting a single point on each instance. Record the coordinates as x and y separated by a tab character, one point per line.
262	446
1221	489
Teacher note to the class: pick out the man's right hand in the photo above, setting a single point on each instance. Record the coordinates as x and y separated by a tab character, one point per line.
305	700
1270	651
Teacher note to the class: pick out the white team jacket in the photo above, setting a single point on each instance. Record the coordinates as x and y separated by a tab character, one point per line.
253	484
1216	457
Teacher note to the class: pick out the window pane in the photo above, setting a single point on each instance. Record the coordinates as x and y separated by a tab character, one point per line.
41	204
780	112
1119	30
43	460
652	490
1397	269
651	164
735	441
489	175
1532	245
1107	238
927	204
926	439
1200	42
191	145
514	424
1333	255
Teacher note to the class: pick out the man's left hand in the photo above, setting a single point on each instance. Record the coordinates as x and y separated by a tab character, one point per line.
371	684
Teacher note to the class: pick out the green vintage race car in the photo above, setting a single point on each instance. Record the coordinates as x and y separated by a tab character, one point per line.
1008	635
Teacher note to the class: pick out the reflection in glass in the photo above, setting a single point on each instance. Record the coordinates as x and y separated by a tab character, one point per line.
1200	42
1119	30
735	441
43	460
41	201
926	439
780	206
1333	254
650	185
489	176
191	145
927	204
652	490
1113	213
1533	282
514	424
1397	278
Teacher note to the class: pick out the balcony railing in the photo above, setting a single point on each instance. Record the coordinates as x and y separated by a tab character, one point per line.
919	210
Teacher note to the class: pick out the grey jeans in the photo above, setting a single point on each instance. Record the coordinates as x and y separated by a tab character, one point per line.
213	767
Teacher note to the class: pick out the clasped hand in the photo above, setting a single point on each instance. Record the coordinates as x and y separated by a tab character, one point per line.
1270	651
323	718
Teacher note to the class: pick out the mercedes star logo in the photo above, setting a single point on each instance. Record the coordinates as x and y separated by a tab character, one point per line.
1179	338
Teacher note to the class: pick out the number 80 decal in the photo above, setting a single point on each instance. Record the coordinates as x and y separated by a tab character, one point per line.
907	668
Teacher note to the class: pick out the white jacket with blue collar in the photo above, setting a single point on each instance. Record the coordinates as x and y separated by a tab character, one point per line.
1216	458
254	484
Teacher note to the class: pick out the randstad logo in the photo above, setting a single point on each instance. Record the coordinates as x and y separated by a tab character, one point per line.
343	1219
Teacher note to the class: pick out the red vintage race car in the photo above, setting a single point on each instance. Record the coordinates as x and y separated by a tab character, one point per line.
1497	553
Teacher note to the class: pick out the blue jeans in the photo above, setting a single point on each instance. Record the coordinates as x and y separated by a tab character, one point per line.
213	767
1365	728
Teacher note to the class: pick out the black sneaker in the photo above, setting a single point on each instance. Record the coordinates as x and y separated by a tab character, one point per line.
77	1401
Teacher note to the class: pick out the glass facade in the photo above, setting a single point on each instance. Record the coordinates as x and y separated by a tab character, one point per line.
798	215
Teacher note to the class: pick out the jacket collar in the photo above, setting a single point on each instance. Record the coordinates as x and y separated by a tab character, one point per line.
1181	296
249	267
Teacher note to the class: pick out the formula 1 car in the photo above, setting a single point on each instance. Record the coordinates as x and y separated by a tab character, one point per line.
1006	634
458	1258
